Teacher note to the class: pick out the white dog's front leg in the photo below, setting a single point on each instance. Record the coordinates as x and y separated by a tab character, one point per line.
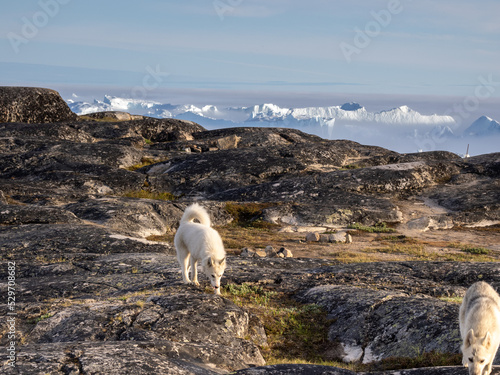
488	368
194	271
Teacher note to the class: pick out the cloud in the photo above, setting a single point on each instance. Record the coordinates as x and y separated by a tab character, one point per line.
473	17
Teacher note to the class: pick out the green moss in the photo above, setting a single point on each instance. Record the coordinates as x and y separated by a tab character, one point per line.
471	249
40	318
249	214
377	228
145	161
295	332
350	166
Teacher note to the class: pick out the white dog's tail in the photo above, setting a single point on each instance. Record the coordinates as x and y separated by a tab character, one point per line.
195	211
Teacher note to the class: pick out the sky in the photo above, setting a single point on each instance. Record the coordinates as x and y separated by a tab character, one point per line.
439	56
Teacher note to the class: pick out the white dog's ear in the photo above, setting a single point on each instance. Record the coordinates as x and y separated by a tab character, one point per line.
223	260
487	341
469	338
208	262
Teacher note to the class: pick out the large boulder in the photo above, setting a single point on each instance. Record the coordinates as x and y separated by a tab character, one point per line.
371	325
33	105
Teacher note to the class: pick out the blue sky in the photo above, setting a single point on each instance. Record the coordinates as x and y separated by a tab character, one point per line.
428	54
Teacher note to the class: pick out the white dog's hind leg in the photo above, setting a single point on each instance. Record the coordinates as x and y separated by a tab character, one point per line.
194	270
185	269
183	256
184	263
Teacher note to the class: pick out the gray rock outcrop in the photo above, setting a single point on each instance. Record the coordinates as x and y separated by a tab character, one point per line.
33	105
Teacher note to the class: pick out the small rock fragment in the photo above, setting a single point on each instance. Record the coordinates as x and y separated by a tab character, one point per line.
285	252
270	252
312	237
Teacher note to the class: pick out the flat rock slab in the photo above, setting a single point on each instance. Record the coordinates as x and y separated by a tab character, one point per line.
123	357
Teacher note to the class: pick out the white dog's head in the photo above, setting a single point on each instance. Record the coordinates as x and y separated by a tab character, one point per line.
214	269
477	352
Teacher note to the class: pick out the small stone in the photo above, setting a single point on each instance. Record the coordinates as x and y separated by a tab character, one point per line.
259	254
324	238
270	252
286	253
247	253
421	224
228	143
312	237
339	237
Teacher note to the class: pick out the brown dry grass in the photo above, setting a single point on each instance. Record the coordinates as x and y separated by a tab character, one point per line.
366	247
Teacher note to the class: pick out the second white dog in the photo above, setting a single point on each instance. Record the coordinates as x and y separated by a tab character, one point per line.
479	319
199	242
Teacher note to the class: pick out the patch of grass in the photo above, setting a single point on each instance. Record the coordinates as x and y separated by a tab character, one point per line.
248	293
145	161
398	239
426	359
40	318
491	228
377	228
468	258
456	300
295	332
236	237
476	250
415	250
249	214
298	361
144	194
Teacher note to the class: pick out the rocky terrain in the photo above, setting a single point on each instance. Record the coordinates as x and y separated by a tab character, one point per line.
84	201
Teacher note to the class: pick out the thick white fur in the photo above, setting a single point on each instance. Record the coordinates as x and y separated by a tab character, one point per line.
199	242
479	319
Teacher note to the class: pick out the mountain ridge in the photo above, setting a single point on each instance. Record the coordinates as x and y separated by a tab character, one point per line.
268	112
401	128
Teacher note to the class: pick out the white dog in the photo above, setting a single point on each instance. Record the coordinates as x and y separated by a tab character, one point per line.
480	328
199	242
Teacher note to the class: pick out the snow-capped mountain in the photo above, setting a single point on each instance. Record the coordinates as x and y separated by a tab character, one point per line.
401	129
483	126
269	113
